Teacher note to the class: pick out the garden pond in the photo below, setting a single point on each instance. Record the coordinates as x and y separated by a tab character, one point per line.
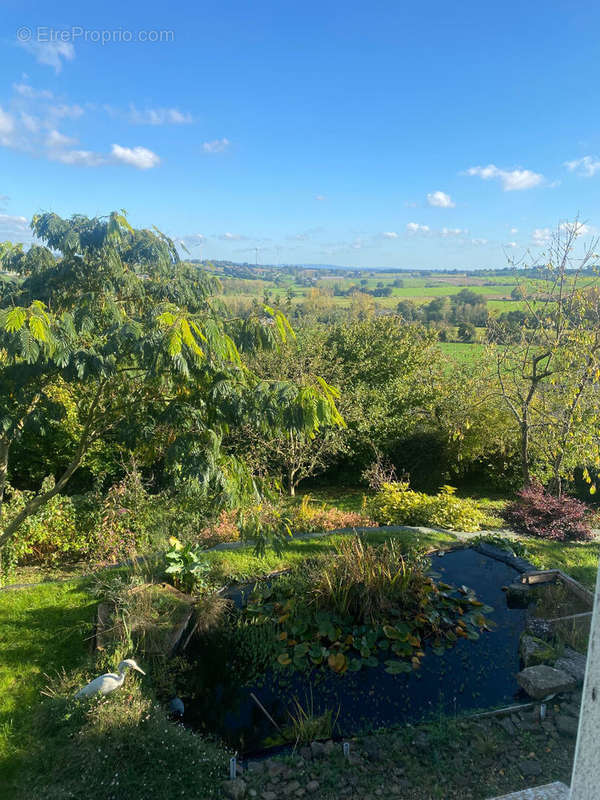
473	674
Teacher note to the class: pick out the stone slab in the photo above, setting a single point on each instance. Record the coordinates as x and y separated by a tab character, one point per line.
573	663
541	681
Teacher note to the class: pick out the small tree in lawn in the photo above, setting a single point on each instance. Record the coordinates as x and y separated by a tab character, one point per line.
548	376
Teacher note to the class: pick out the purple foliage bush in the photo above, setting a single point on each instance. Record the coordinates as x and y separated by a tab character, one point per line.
537	513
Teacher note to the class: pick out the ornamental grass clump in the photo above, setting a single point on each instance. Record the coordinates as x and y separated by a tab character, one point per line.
537	513
366	582
397	504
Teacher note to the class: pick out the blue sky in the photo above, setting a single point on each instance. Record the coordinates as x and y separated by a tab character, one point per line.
368	134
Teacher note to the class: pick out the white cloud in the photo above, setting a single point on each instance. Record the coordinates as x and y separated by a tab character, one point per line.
56	139
138	157
7	219
479	242
514	230
80	158
578	228
390	235
51	53
233	237
511	244
33	94
14	228
541	236
306	235
7	128
63	110
158	116
414	227
320	197
587	166
512	180
191	240
30	123
454	231
216	146
440	199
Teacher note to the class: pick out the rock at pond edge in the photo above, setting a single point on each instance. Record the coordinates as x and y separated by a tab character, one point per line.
542	680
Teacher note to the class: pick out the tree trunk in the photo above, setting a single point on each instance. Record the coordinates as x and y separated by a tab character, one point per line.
4	448
525	450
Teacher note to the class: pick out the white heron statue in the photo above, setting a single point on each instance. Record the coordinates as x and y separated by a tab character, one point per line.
105	684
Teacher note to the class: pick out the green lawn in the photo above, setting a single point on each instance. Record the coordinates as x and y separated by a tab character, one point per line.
42	630
578	559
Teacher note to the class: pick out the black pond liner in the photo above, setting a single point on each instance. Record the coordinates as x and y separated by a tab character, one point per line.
473	675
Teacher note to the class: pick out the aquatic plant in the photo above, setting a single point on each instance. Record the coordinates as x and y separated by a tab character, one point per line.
363	604
306	726
366	582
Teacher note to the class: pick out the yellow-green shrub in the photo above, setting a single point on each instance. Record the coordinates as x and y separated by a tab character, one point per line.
396	504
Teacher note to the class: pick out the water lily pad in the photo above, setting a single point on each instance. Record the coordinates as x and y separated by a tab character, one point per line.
397	667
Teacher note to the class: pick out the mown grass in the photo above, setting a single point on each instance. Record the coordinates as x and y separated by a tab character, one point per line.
577	559
42	630
243	564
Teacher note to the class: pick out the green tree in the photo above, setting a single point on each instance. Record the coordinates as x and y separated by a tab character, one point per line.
467	332
549	377
288	449
117	316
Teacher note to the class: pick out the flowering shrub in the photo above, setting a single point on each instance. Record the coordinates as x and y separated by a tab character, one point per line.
537	513
223	529
396	504
308	518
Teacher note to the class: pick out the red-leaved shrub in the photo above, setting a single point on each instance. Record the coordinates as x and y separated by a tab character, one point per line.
537	513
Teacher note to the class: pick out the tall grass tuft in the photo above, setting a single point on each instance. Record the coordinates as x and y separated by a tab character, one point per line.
306	726
365	582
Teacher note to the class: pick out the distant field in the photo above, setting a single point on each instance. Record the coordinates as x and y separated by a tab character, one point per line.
462	353
495	289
